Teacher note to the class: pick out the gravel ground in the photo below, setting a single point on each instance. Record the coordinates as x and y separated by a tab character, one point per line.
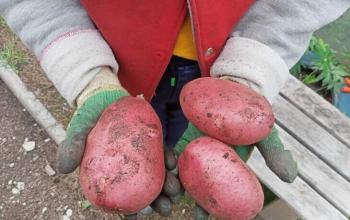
27	191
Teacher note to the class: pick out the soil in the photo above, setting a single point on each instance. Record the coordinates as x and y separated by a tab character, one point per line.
41	192
43	196
326	94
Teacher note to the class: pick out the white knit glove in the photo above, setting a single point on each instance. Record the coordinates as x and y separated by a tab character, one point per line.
253	64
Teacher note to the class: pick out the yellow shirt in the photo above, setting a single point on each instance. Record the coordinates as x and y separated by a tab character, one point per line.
185	46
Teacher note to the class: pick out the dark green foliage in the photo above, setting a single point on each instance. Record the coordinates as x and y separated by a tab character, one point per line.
323	69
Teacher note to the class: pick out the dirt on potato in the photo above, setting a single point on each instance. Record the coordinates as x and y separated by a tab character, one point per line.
127	174
227	111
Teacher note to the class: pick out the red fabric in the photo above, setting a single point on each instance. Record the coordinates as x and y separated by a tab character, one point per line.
142	34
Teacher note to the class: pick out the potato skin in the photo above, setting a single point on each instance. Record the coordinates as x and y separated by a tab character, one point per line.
219	181
123	165
227	111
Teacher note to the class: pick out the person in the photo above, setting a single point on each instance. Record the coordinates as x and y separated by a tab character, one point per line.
95	52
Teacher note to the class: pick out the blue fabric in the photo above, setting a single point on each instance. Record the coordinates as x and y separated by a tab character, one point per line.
342	101
166	99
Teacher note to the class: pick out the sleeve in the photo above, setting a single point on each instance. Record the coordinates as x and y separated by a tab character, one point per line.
271	38
64	40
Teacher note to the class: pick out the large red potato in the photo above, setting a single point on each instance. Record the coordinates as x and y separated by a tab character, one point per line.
219	181
227	111
123	165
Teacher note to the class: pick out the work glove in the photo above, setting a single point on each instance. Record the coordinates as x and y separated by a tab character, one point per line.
346	88
279	160
100	93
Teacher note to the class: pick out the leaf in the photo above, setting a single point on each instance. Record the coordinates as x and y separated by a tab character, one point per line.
340	71
85	204
327	69
311	78
296	69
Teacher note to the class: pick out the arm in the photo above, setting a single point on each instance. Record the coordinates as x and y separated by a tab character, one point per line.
61	35
271	38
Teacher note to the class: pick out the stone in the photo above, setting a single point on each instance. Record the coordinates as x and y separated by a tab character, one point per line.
28	145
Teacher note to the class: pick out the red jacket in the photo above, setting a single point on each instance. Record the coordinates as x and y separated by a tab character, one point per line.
142	34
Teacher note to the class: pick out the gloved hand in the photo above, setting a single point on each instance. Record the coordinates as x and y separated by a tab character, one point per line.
101	92
279	160
346	88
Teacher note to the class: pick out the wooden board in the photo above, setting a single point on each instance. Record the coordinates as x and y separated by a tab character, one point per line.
318	109
319	175
313	136
299	195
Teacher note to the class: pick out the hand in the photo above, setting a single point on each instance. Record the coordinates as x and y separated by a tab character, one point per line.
346	88
101	92
279	160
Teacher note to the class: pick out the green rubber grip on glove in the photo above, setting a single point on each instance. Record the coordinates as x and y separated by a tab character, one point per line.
88	114
189	135
71	150
192	133
279	160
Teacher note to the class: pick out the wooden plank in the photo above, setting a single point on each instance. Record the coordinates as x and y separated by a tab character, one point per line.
319	176
317	108
313	136
299	195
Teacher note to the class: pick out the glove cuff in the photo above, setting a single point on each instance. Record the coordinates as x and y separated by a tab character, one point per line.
252	63
105	80
244	82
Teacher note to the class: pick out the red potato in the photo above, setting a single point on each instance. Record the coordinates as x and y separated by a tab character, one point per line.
123	165
227	111
219	181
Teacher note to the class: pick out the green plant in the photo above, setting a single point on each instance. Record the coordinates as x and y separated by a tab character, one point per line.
2	23
85	204
326	70
296	69
186	200
12	57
